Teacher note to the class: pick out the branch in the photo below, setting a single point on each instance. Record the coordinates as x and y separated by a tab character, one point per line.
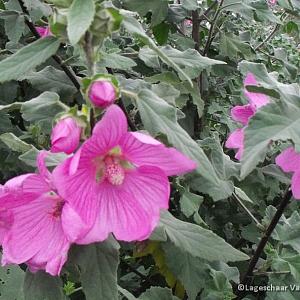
247	277
207	11
248	212
210	37
269	37
69	71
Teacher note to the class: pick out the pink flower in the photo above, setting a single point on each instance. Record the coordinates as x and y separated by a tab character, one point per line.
118	181
272	2
289	161
42	224
188	23
65	136
102	93
43	31
243	114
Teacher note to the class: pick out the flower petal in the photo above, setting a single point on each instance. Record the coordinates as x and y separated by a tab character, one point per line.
296	184
108	131
142	149
6	221
236	141
38	235
288	160
80	189
131	211
242	114
256	100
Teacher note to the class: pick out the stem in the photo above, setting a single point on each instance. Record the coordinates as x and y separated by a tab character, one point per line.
247	277
196	28
269	37
89	53
207	11
210	37
248	212
68	71
130	122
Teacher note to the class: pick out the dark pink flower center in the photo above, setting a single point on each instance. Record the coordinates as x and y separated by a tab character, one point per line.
57	206
112	167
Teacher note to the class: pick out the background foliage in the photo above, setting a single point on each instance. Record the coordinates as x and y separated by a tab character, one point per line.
180	65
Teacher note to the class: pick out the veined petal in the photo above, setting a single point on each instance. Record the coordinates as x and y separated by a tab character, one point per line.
80	189
141	149
256	100
288	160
242	114
12	193
43	170
6	221
38	234
108	131
131	211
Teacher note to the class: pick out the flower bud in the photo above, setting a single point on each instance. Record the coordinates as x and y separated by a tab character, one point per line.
65	136
102	93
43	31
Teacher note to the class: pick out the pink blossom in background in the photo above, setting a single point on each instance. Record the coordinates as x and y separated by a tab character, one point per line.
118	181
289	161
102	93
65	136
242	114
43	31
42	224
272	2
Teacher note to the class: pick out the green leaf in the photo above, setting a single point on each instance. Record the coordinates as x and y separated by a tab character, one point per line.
52	80
116	61
43	109
42	286
160	117
231	46
14	143
135	28
27	58
80	18
189	270
159	9
190	4
126	294
11	281
288	233
190	61
218	288
195	240
10	107
273	122
14	25
98	265
190	204
158	293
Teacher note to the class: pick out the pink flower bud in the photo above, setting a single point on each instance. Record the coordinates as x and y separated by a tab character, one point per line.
43	31
102	93
65	136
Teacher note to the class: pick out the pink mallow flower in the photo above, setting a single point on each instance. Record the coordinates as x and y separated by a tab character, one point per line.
118	181
43	31
102	93
65	136
289	161
243	114
41	224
